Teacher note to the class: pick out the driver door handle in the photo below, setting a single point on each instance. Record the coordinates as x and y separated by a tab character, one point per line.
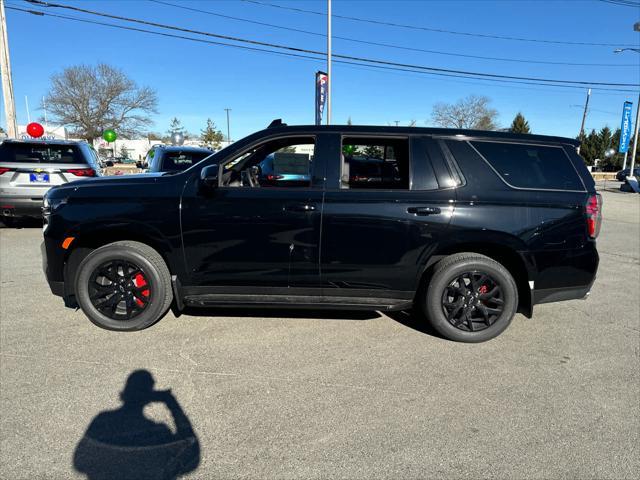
301	207
423	211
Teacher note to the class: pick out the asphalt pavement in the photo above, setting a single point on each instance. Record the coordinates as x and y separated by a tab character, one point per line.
318	395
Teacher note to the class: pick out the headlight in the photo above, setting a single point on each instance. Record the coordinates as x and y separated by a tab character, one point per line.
50	205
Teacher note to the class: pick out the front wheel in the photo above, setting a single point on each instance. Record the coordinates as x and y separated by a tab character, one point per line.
124	286
470	298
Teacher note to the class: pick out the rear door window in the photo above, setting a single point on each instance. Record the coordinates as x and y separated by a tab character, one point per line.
531	166
375	163
30	153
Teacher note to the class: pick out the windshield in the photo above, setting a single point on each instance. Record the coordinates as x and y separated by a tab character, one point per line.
181	160
290	163
40	153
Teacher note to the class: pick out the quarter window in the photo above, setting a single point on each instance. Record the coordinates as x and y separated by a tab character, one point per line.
531	166
375	163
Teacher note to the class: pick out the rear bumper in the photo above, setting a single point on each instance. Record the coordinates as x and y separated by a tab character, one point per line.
551	295
21	206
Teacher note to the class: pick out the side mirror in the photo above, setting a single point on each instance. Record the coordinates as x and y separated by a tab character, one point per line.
209	176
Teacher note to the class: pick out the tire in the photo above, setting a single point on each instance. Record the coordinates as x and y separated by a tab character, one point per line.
142	270
490	298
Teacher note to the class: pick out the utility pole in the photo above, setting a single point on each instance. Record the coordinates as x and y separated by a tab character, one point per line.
584	115
7	84
26	102
228	129
329	76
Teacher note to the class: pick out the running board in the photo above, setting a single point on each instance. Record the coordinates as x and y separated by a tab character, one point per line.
296	301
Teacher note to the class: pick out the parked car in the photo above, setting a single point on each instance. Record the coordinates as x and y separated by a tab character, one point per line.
623	174
106	162
472	227
28	168
162	158
284	169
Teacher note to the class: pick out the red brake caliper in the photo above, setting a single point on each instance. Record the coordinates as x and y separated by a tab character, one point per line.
483	289
139	281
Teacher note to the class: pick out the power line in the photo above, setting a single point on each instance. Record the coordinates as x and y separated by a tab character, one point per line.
437	30
345	57
622	3
309	57
389	45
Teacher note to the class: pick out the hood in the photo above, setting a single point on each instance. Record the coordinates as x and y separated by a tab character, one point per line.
108	182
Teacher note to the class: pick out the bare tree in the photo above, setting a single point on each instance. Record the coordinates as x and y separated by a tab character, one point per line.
472	112
91	99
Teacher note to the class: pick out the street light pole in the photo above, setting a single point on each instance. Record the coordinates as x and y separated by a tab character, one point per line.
329	75
7	83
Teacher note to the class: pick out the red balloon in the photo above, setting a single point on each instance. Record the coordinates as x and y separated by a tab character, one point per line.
35	130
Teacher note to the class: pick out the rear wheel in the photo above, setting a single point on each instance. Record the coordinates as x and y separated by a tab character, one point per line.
124	286
470	298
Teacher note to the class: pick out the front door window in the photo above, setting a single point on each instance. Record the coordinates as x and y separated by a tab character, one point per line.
284	162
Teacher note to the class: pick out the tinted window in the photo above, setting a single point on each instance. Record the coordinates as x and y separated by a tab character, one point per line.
179	160
531	166
40	153
377	163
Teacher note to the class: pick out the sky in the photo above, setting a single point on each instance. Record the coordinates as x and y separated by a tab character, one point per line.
196	81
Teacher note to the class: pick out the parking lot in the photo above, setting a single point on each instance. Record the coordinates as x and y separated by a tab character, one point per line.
340	395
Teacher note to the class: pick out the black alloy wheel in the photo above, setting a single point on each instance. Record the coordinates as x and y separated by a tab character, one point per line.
119	289
473	301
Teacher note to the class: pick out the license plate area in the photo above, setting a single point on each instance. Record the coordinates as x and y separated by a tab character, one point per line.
39	178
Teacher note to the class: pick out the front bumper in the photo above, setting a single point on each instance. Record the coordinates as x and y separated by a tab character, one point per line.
55	284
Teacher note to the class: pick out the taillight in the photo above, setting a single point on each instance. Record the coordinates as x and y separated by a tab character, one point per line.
593	211
274	177
82	172
4	170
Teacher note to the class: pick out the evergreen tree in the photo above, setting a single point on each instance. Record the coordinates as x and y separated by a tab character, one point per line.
124	153
210	136
520	124
594	146
373	151
589	147
175	126
349	122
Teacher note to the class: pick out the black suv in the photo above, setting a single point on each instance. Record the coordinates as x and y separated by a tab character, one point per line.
163	158
468	226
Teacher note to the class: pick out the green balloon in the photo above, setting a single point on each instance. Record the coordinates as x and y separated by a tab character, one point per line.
109	135
348	150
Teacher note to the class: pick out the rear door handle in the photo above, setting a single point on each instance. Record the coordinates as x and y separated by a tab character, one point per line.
301	207
423	211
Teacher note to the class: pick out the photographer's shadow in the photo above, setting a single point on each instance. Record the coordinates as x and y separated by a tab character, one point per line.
124	444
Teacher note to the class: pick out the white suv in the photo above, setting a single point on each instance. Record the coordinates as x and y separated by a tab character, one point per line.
28	168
